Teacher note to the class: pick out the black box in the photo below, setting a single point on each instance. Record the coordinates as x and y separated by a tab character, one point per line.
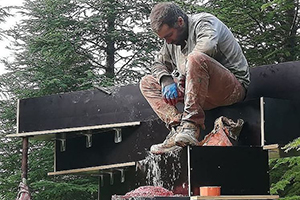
238	170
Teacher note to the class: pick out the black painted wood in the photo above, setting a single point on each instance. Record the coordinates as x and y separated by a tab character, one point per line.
136	141
279	81
238	170
83	108
249	111
126	104
282	120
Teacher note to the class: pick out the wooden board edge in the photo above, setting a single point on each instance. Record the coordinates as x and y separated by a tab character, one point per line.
64	130
91	169
270	146
277	151
236	197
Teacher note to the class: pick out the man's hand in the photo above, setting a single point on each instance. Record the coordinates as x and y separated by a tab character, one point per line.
170	94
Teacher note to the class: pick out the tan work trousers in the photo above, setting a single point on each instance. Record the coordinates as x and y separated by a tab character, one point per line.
207	85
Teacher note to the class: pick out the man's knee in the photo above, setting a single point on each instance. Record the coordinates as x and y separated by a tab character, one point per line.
146	82
197	59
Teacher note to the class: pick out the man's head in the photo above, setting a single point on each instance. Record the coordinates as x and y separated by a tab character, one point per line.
169	22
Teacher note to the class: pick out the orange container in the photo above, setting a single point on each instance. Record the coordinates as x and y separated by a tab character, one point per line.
210	191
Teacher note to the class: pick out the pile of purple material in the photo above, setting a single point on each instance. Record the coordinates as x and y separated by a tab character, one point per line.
145	191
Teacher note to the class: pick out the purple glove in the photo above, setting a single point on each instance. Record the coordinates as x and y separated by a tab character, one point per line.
170	94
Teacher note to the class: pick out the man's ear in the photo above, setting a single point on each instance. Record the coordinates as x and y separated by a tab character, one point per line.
180	21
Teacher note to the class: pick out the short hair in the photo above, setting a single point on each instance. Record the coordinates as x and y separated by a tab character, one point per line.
165	13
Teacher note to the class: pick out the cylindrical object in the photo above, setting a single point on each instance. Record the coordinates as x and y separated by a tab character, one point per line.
24	159
210	191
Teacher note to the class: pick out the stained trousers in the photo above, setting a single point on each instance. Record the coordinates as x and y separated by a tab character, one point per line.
207	85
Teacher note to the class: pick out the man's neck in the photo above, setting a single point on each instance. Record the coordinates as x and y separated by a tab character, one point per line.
185	36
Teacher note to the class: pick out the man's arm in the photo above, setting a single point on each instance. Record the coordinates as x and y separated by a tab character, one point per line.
207	36
163	65
161	70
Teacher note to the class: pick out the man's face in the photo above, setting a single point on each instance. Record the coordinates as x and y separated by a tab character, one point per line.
169	34
172	35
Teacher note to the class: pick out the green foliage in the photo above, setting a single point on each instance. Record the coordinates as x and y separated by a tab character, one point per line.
64	45
59	187
69	45
295	144
9	175
285	177
4	13
65	190
41	185
268	31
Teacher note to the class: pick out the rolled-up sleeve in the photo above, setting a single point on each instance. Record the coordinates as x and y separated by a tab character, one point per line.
163	65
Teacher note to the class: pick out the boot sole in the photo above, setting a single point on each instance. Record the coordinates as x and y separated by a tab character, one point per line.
164	150
183	141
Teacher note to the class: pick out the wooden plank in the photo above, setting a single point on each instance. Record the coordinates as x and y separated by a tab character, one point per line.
229	197
277	151
66	130
262	122
92	169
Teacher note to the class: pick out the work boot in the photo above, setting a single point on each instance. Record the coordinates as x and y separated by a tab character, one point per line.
168	144
188	134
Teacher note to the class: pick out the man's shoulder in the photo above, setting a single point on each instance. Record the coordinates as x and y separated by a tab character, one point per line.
200	16
196	21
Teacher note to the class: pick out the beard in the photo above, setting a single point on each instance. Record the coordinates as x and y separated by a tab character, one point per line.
182	36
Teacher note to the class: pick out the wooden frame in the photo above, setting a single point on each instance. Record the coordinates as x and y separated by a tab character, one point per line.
92	170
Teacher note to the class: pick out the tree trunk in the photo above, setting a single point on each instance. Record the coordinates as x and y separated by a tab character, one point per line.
291	39
110	58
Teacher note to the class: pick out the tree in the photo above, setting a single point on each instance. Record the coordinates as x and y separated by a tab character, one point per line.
267	32
63	46
4	13
89	40
285	177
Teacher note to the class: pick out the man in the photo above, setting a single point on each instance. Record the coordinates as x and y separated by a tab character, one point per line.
200	64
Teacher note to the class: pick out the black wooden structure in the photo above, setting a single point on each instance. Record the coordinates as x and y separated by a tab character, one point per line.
110	131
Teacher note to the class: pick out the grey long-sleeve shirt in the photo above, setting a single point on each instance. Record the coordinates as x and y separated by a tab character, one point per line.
208	35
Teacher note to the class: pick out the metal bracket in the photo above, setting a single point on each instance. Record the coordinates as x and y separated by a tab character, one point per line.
122	175
111	177
101	180
118	135
89	140
63	143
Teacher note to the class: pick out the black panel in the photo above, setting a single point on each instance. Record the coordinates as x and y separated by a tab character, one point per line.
282	121
83	108
238	170
107	189
249	111
136	141
167	170
275	81
173	176
94	107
